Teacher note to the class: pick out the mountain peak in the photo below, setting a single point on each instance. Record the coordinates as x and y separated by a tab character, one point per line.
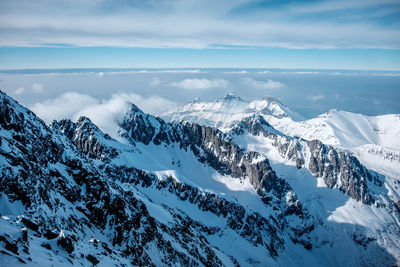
134	109
230	97
230	108
84	123
271	99
83	120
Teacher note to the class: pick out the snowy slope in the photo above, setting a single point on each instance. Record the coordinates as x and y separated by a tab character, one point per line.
338	128
188	195
334	210
348	129
374	139
222	112
106	202
340	215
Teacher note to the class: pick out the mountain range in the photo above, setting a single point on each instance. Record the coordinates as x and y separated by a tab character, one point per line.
222	183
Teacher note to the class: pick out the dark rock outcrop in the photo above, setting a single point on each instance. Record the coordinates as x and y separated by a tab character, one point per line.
87	137
338	168
63	189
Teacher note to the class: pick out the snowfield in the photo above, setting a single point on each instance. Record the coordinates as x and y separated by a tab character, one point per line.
226	183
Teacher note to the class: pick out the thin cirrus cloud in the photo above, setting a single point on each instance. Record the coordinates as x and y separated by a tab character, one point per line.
322	24
104	113
269	84
37	88
317	97
200	84
155	81
19	90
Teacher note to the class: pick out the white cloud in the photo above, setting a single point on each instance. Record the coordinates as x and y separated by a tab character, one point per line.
300	72
269	84
177	71
19	90
155	81
152	71
154	105
317	97
37	88
64	106
104	113
199	84
375	101
264	72
237	72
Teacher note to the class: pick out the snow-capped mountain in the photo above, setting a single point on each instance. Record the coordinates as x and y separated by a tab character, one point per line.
184	193
222	112
374	139
346	129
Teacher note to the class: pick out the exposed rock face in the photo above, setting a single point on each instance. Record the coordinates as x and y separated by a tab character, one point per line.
342	170
217	150
78	199
339	169
87	137
210	146
255	228
221	153
62	189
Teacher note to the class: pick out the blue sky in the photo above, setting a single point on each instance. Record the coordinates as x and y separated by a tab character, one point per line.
115	57
352	34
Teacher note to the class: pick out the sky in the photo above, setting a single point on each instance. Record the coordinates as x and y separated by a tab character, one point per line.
315	34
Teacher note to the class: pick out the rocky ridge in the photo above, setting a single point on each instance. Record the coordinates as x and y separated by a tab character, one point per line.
82	203
338	168
216	149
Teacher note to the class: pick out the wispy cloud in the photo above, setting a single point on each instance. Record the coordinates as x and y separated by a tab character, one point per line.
19	90
317	97
264	72
155	81
325	24
269	84
237	72
200	84
37	88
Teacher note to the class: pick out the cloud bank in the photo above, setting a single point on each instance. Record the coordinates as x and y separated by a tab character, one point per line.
200	84
104	113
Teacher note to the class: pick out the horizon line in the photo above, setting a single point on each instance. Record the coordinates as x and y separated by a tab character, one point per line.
191	68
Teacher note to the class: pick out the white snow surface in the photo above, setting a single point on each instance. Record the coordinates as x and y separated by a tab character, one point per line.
374	140
347	129
222	112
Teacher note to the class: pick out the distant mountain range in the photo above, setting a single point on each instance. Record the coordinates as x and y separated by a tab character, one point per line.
374	139
221	183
